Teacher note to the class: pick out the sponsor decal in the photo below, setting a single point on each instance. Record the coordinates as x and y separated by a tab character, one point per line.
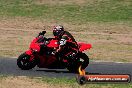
103	78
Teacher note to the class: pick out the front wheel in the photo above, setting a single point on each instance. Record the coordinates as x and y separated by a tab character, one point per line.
24	62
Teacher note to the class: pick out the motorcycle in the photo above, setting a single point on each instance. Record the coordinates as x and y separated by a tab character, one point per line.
41	54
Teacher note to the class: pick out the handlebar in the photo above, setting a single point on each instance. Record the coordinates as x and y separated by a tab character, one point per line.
42	33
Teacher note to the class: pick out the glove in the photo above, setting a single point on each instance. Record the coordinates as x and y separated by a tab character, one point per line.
42	33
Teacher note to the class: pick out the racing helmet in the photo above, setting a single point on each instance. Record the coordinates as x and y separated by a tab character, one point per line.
58	31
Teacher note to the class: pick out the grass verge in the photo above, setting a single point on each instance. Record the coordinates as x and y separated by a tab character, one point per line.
97	11
71	83
46	82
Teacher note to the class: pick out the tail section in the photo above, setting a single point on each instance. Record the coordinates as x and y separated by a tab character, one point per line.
84	46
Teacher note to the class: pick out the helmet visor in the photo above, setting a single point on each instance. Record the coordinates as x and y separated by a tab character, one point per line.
55	33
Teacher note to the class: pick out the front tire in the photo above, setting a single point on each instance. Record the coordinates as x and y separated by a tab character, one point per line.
24	63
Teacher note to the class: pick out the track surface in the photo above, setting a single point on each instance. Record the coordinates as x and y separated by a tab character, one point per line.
8	67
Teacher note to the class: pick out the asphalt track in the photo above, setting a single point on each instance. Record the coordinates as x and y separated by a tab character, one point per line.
8	67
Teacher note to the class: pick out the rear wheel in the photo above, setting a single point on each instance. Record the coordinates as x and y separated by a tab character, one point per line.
83	60
81	79
24	62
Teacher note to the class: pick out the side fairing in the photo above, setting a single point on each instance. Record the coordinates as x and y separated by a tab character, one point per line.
53	43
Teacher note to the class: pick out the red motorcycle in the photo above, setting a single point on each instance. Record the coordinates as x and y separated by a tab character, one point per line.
41	54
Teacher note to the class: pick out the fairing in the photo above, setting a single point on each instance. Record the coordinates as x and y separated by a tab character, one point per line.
35	46
53	43
46	60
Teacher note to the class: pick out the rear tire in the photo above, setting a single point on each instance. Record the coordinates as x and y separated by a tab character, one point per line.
24	63
81	57
85	63
73	69
81	80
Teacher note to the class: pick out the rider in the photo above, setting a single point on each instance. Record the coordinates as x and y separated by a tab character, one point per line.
67	43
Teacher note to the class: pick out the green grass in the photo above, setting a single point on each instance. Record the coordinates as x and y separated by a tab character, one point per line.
103	11
53	80
68	82
73	83
3	76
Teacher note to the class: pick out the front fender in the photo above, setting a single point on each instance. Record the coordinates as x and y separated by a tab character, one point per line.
29	52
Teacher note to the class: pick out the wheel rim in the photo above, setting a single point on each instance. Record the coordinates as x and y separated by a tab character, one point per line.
25	61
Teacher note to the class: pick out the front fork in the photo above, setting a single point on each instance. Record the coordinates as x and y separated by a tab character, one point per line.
29	52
